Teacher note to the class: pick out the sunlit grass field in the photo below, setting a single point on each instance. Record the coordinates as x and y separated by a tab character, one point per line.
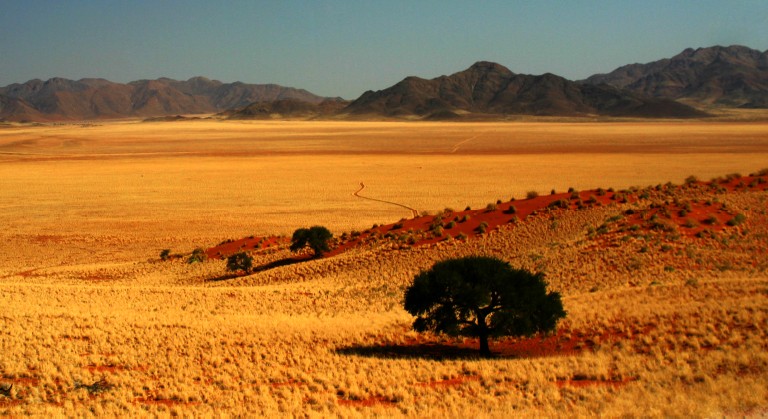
94	323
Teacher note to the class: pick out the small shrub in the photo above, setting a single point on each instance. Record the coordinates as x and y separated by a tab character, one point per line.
468	208
397	226
465	218
482	228
491	207
450	225
738	219
531	194
690	223
511	210
560	203
198	255
461	236
165	254
600	192
711	220
552	192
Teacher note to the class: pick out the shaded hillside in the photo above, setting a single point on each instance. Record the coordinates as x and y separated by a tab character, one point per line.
63	99
489	88
286	108
734	76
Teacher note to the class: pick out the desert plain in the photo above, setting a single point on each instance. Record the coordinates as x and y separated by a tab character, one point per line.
665	318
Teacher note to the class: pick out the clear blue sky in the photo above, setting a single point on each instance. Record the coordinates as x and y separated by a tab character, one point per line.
342	48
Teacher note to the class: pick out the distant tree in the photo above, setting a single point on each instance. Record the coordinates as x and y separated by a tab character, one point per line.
165	254
482	297
240	262
316	238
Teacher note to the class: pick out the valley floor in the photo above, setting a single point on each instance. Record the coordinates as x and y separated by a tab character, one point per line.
660	322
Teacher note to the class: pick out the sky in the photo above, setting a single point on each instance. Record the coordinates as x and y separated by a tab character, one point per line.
343	48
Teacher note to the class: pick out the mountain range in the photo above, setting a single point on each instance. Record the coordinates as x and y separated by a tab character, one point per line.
488	88
62	99
734	76
683	86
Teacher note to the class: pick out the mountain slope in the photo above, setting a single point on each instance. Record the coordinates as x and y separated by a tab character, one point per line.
286	108
733	76
63	99
490	88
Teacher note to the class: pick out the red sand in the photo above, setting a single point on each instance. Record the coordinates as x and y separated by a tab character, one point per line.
565	342
112	368
164	402
587	382
449	382
371	401
252	243
524	208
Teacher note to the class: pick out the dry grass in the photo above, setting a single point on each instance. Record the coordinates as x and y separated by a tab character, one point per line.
93	322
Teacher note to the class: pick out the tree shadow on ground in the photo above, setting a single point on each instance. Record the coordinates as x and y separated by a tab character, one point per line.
431	351
280	262
261	268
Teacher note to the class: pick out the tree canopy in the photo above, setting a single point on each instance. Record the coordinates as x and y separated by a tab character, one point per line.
482	297
240	261
316	238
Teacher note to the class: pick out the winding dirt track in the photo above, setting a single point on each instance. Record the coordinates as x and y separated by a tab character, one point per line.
362	186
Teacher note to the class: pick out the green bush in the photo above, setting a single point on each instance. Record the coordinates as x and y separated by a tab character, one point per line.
738	219
198	255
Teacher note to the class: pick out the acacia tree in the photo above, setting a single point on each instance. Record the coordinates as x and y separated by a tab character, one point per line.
482	297
240	262
316	238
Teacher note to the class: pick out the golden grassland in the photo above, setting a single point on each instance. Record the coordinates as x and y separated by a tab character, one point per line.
94	323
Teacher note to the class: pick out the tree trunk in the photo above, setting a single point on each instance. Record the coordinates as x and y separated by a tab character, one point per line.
485	350
483	332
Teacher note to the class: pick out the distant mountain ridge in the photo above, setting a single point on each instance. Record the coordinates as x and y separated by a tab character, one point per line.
734	76
286	108
63	99
488	88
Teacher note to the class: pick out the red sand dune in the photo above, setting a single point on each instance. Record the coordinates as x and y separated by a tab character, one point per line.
422	230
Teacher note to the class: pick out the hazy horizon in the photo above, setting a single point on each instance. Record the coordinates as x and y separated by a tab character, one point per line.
338	48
